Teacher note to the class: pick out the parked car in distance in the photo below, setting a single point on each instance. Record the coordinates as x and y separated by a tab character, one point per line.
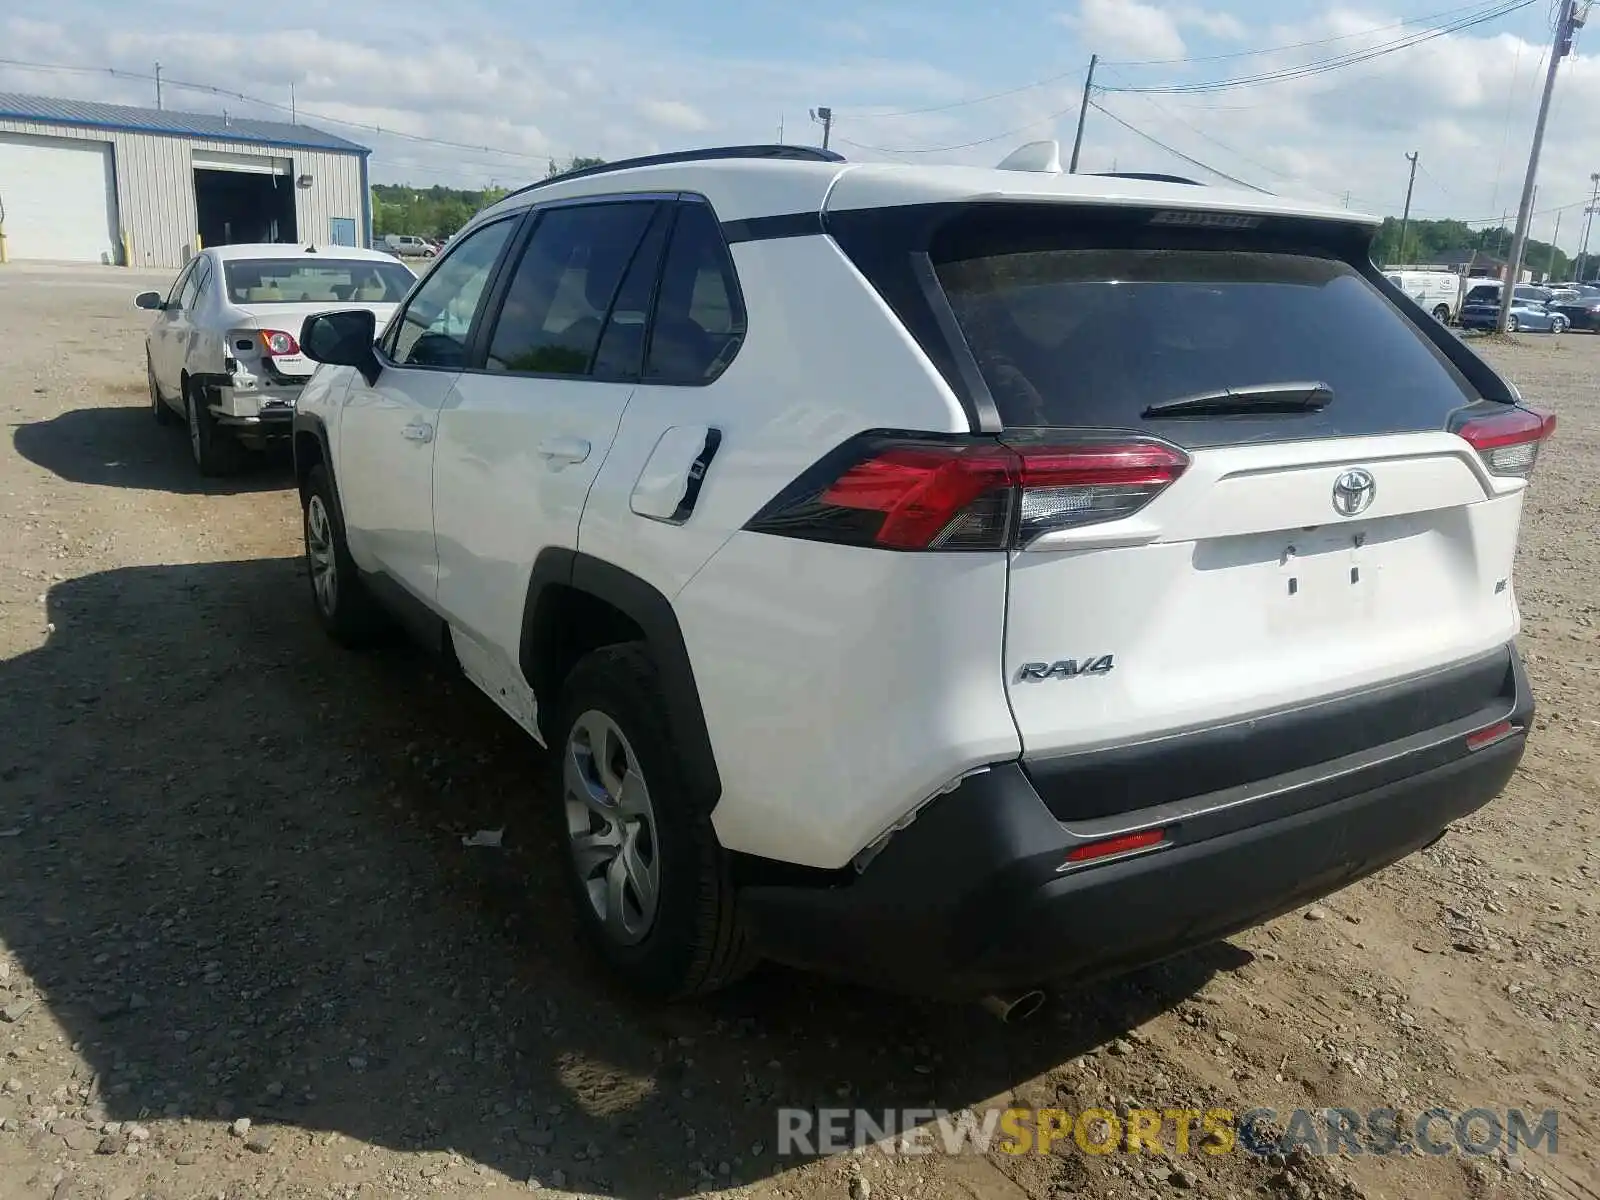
1437	292
1582	310
223	352
955	579
406	245
1531	310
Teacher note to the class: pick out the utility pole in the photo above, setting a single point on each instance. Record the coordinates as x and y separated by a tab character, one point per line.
294	113
780	129
158	86
1083	112
825	117
1347	199
1550	266
1588	220
1568	24
1405	218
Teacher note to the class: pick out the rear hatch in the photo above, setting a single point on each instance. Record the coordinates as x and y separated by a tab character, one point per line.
1251	486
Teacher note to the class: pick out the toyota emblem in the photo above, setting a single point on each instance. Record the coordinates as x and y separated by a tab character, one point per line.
1353	492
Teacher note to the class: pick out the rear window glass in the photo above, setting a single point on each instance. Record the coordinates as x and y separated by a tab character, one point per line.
316	281
1094	336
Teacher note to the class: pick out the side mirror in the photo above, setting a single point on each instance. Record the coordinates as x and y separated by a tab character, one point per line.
343	339
150	300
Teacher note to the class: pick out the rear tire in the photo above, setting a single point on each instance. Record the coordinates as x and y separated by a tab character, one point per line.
1511	325
342	602
650	883
1442	314
159	408
216	452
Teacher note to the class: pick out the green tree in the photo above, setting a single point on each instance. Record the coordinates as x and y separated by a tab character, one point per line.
576	163
435	212
1434	241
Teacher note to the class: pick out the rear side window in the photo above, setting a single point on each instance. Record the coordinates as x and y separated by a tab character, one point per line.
564	286
700	318
1092	336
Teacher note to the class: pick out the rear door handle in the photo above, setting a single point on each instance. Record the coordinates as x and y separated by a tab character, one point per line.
418	431
564	449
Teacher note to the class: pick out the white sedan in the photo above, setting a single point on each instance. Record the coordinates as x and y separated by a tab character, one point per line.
224	351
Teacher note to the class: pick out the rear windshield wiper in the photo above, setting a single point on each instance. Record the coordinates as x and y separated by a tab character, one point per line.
1261	399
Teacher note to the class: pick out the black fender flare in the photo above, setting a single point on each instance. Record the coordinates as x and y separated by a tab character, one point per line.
558	568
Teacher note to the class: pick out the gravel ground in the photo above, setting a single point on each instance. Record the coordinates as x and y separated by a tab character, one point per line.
244	952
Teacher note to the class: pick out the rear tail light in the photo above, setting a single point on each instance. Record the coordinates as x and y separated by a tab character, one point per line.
1508	442
277	343
901	492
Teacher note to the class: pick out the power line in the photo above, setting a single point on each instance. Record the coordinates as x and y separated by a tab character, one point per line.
1340	61
1134	129
984	99
1239	154
210	89
1341	37
984	141
1062	76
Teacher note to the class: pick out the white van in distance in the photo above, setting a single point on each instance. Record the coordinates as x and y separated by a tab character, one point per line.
1437	291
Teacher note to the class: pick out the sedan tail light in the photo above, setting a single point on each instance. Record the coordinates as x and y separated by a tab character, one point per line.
276	343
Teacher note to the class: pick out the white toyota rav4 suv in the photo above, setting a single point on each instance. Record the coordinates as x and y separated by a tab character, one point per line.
952	578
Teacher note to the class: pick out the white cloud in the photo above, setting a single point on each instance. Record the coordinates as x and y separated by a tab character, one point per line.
674	114
1465	101
1218	24
1127	27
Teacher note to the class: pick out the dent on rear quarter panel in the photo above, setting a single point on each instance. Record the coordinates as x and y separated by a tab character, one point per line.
842	686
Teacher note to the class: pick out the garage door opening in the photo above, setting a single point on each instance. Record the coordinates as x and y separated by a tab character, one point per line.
242	206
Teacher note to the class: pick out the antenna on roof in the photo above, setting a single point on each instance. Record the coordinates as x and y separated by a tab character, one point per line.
1043	158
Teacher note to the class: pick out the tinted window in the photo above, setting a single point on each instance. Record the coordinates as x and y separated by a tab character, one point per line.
432	330
559	297
621	351
191	286
181	282
1094	336
316	281
1483	295
700	319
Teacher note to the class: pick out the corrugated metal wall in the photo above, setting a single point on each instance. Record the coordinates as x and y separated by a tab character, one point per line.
155	186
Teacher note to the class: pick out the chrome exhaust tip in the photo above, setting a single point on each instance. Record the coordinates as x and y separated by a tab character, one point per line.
1014	1008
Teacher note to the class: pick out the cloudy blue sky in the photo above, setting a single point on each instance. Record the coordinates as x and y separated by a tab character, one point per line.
926	82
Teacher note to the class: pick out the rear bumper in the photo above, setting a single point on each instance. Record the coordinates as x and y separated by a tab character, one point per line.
970	897
268	410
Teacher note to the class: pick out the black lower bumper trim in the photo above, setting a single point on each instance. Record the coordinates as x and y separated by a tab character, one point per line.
969	899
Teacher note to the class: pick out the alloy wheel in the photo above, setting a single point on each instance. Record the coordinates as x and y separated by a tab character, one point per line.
320	553
611	827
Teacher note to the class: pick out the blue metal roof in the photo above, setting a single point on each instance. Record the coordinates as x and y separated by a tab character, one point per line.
93	115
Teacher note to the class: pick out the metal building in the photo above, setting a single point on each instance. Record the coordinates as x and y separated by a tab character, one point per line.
88	182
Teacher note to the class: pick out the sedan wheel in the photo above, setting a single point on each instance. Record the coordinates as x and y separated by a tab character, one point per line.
1558	325
1511	325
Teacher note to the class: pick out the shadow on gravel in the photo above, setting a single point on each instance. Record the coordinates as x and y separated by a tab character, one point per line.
122	446
240	885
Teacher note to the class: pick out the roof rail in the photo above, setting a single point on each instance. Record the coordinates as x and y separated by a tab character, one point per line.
707	154
1153	177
